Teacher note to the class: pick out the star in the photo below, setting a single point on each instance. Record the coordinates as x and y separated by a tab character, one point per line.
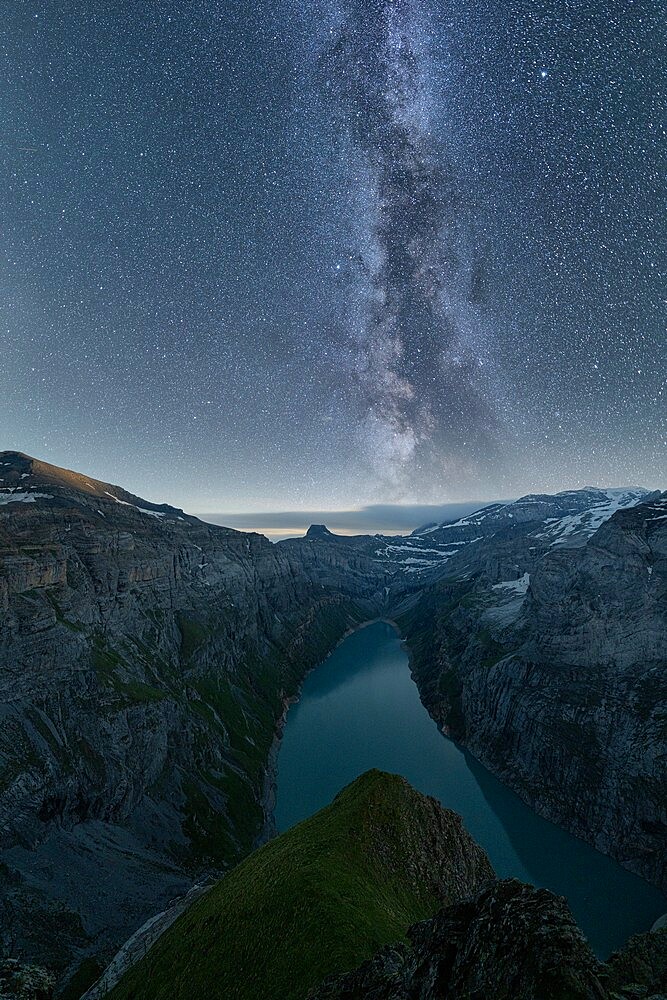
360	233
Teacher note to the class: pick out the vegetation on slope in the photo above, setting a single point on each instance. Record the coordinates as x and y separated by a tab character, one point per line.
319	899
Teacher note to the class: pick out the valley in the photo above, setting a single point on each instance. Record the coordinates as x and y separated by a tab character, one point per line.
360	709
147	658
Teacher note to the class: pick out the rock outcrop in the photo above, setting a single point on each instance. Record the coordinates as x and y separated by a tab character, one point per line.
145	658
318	899
509	942
25	982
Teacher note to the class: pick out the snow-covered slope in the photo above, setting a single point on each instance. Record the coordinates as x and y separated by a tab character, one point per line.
572	510
568	518
532	523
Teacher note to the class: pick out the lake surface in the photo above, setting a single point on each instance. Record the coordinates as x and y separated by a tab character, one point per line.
361	709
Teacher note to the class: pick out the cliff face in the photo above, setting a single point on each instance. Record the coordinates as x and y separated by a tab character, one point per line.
509	942
145	657
556	680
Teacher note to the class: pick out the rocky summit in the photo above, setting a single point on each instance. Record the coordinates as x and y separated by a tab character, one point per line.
147	659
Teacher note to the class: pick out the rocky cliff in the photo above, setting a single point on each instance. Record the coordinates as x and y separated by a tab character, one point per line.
144	661
146	658
556	677
508	942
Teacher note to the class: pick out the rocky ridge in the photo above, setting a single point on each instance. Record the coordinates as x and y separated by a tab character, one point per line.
538	633
528	527
145	659
317	899
508	942
552	670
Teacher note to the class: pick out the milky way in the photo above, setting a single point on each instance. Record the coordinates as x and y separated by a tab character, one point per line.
330	253
421	378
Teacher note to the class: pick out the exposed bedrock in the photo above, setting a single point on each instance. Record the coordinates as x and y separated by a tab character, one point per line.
146	658
558	682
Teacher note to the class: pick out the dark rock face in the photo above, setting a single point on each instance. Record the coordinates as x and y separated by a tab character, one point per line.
509	942
556	679
24	982
643	962
145	658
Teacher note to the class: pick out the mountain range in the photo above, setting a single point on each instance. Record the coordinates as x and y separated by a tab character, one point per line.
147	659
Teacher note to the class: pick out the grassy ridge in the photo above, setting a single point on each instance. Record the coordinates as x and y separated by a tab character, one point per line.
319	899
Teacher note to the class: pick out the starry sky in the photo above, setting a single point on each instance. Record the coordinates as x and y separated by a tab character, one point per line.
278	256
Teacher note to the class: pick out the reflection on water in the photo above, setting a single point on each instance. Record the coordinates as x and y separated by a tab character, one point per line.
361	709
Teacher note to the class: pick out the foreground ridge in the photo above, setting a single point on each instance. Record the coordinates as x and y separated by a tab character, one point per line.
316	899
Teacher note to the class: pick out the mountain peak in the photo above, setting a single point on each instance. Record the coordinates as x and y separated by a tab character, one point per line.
22	478
19	469
318	899
319	531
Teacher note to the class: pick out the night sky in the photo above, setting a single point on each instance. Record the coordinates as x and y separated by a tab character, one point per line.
280	255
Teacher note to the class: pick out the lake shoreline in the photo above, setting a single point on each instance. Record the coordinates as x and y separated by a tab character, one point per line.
357	715
269	787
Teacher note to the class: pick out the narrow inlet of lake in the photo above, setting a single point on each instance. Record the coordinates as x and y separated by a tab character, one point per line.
361	709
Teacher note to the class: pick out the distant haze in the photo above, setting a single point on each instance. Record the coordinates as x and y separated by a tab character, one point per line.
385	519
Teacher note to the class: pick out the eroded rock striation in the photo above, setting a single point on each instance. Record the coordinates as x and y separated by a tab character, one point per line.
145	659
556	678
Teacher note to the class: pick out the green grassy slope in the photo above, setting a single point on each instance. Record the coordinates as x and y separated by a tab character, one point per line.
319	899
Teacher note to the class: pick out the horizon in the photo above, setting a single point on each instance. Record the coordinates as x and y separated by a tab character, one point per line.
365	519
386	274
381	519
369	518
399	513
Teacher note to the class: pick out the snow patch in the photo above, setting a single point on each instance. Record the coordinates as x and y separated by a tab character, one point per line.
142	510
519	586
18	497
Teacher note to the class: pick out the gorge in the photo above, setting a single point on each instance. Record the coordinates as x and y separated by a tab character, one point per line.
360	709
147	658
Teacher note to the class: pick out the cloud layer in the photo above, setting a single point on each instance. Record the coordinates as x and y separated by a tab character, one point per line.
374	518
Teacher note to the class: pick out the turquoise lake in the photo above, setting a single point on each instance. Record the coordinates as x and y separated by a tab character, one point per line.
360	709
